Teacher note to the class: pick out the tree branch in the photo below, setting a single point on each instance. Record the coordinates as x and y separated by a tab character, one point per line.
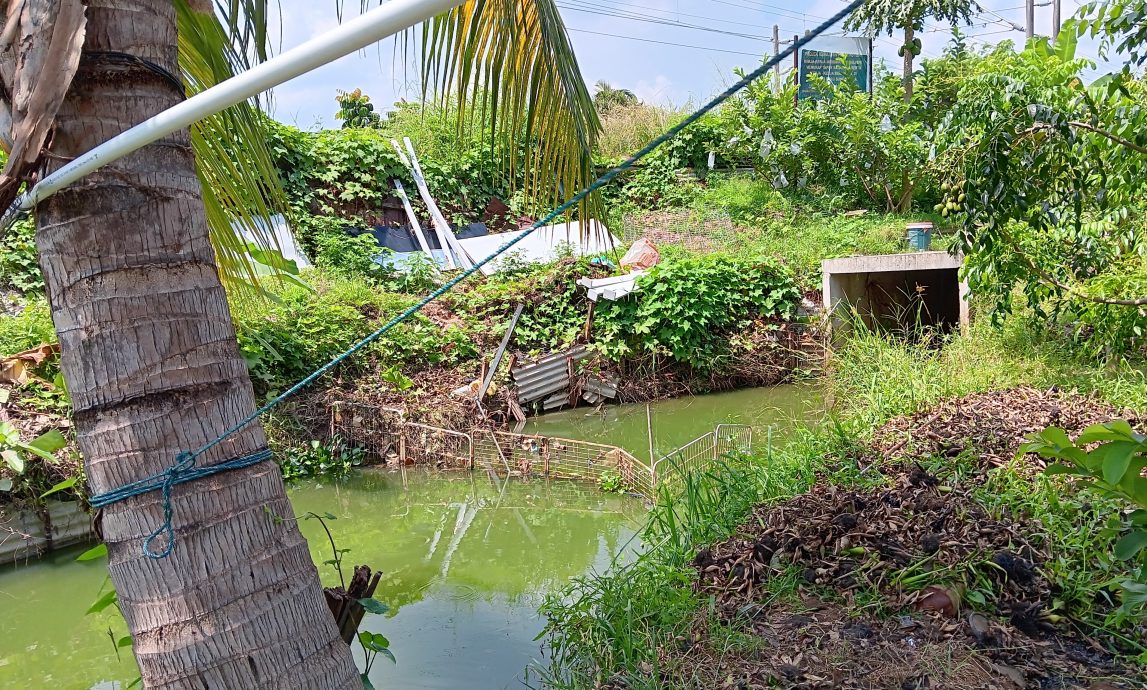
1070	289
1092	128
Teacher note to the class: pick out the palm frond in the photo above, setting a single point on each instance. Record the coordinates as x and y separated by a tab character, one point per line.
241	186
509	65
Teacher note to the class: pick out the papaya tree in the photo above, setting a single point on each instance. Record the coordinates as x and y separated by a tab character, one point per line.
877	17
148	348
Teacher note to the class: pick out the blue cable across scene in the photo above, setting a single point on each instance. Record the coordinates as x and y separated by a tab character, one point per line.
184	468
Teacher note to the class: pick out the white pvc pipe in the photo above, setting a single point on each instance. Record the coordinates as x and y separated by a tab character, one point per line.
387	20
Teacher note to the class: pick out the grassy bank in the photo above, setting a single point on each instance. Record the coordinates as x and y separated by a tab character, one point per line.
652	623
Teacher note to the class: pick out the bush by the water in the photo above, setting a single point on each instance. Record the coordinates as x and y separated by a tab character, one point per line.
686	307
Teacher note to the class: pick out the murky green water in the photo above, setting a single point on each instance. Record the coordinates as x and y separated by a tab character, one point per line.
467	562
678	421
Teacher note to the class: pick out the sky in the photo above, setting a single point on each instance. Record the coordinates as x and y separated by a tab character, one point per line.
665	51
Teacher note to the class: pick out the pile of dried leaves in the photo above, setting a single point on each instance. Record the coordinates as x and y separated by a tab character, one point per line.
916	545
994	424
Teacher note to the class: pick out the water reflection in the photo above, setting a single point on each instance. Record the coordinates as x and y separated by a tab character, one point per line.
466	560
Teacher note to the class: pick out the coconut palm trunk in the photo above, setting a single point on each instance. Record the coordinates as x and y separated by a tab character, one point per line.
150	358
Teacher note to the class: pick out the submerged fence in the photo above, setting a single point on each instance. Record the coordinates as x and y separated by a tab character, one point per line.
702	452
387	436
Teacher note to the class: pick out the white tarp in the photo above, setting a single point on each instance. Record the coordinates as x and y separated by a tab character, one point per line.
612	288
545	244
282	238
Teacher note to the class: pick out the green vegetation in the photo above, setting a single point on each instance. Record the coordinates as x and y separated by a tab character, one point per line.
618	626
688	305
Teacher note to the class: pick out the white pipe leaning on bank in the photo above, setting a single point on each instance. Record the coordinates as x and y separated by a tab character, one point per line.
373	26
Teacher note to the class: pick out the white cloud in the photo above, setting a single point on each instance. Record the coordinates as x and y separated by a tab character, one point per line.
658	92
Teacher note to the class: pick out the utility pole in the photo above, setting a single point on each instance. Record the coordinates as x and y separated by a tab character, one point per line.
776	51
1029	16
1056	24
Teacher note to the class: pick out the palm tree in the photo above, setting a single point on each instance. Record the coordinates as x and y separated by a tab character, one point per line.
606	97
148	347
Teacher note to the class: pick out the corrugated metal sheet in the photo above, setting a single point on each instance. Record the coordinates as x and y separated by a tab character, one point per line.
546	376
22	533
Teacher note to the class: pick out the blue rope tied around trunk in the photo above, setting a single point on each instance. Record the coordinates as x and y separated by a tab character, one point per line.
184	468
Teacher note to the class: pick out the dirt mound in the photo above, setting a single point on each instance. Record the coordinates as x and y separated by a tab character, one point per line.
912	544
994	424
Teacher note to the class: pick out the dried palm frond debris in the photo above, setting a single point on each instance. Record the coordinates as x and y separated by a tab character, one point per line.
992	424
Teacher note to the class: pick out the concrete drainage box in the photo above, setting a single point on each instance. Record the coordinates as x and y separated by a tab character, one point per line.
893	290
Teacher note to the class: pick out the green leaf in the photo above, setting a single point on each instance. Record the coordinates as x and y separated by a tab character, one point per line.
1060	468
97	551
66	484
110	597
1055	436
374	606
1130	545
124	641
49	442
5	485
366	684
1116	457
1102	432
14	460
388	654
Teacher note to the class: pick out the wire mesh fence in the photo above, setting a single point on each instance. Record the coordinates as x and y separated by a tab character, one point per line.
702	453
387	437
548	456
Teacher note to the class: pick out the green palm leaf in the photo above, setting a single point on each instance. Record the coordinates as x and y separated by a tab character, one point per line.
241	186
509	65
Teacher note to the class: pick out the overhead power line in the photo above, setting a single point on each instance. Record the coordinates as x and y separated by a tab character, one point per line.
662	22
666	43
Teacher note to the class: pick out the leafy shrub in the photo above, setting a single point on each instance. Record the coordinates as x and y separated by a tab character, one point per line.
687	306
1114	467
333	459
1046	178
555	307
865	148
27	329
351	255
303	330
19	269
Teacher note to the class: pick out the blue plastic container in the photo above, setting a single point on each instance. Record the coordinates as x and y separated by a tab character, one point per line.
919	236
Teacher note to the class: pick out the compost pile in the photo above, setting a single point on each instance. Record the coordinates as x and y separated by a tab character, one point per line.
907	545
994	424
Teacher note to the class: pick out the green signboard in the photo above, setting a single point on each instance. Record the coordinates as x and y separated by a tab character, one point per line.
831	67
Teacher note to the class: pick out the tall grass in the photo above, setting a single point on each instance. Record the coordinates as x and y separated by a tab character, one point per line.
612	625
874	377
625	129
